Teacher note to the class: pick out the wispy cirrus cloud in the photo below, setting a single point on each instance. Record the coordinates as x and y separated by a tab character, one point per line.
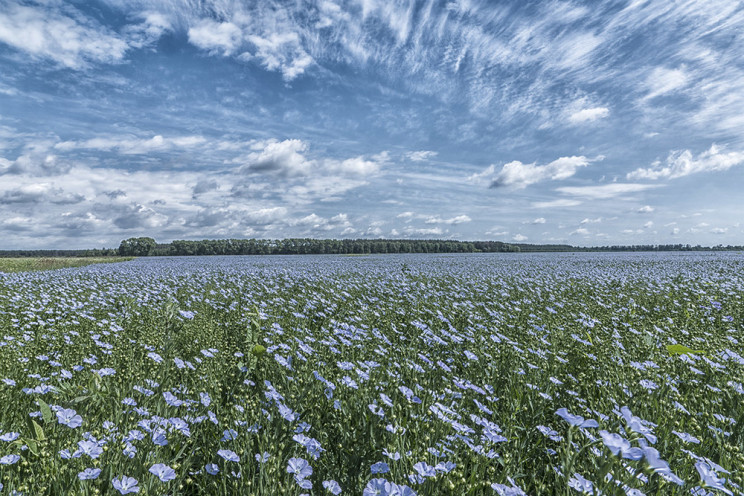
605	191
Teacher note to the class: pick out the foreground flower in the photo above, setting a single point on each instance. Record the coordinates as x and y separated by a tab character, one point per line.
163	472
69	417
332	486
300	468
576	420
581	484
89	474
383	487
710	477
618	445
125	485
9	459
229	455
504	490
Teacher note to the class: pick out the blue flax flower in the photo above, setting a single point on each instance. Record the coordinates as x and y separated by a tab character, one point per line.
576	420
125	485
163	472
89	474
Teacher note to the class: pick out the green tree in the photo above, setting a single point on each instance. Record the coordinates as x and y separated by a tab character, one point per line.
137	247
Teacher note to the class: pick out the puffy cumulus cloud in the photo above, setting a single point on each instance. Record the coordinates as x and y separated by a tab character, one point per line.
519	237
287	158
591	221
216	37
518	175
425	231
421	155
316	223
280	52
605	190
539	220
588	115
71	41
646	209
36	161
137	216
683	163
204	185
284	158
719	230
460	219
582	231
39	193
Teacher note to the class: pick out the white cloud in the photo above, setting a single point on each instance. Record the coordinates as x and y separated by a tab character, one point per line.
604	191
519	175
591	221
646	209
280	51
281	157
662	81
216	37
579	232
46	34
460	219
519	237
286	158
649	224
719	230
132	146
434	231
556	203
588	115
682	163
539	220
35	193
420	156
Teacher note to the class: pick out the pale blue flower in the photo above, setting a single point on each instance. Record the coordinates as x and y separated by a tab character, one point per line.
229	455
163	472
69	417
332	487
89	474
125	485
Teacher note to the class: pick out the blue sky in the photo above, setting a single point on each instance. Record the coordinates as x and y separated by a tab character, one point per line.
589	123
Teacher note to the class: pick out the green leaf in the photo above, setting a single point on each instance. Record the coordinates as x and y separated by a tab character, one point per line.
38	431
46	412
33	446
258	350
678	349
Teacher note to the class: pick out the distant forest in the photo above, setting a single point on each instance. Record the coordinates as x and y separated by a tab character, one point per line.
145	246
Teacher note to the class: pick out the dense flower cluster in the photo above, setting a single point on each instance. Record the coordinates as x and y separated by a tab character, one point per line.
501	374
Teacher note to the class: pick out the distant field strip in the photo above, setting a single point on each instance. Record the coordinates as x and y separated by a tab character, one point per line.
51	263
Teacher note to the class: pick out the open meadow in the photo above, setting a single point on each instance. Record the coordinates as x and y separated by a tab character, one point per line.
26	264
501	374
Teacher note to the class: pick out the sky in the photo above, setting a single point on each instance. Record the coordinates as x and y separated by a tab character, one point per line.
587	123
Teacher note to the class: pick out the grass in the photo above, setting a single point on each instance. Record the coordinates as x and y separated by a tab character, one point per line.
35	264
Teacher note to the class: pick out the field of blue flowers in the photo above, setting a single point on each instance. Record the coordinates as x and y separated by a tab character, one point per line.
615	374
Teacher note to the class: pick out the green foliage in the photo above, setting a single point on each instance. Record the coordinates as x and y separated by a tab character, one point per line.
137	247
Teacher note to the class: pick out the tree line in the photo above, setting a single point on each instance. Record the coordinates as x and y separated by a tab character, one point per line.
305	246
146	246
